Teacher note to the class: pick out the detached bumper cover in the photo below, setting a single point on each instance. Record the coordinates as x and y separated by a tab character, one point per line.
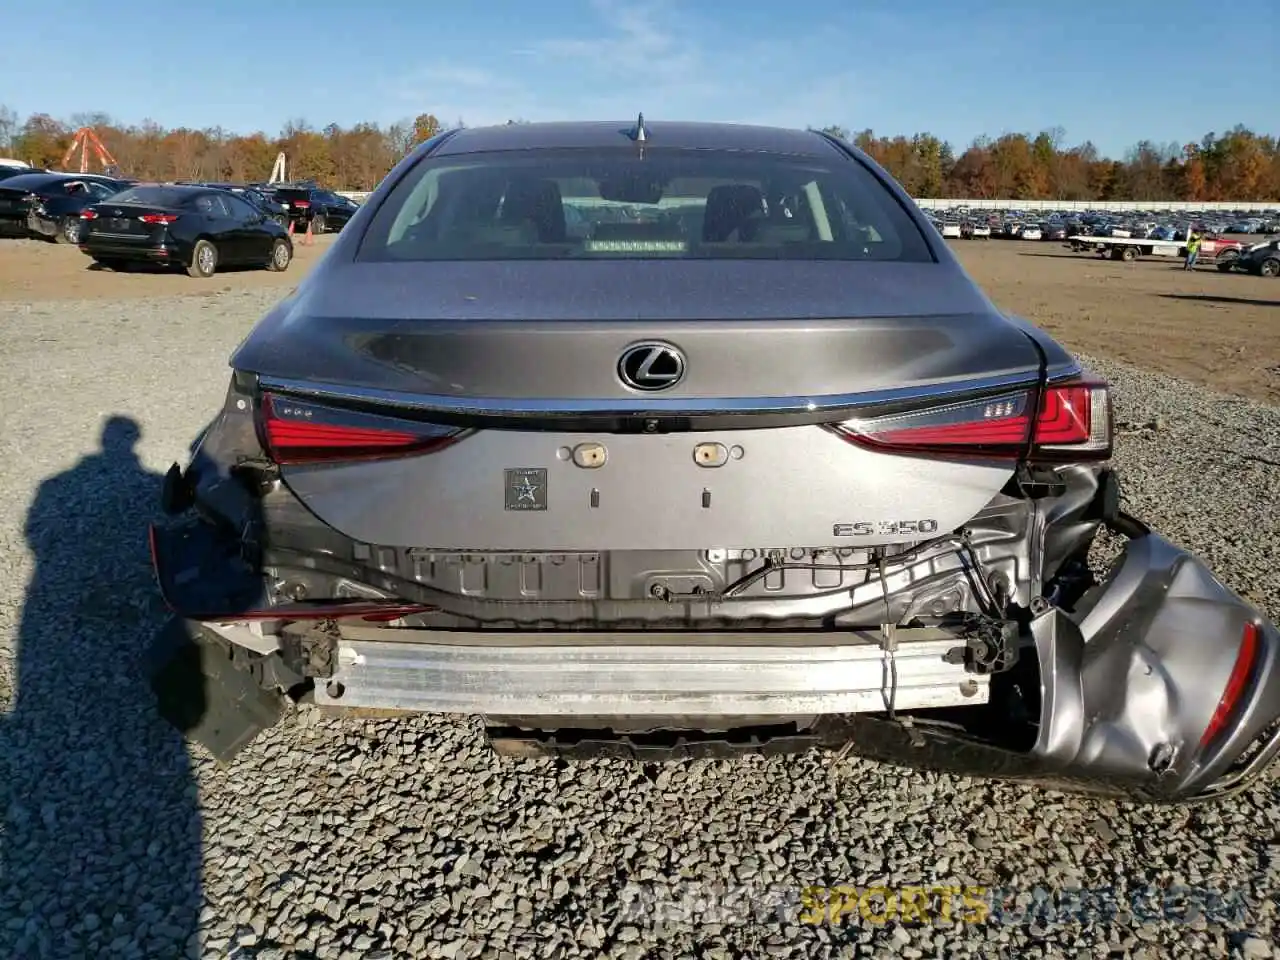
1131	684
41	225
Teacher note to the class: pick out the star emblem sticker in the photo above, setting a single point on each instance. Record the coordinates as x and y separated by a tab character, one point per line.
527	491
525	488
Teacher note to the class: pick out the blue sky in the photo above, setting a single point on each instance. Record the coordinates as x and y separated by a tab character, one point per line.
956	68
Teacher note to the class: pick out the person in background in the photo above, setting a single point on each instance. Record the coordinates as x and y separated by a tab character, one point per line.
1193	251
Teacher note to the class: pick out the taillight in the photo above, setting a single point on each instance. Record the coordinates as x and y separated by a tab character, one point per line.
1237	684
299	431
158	217
88	215
1072	422
302	204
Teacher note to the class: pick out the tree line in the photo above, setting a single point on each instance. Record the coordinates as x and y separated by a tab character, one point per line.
1238	165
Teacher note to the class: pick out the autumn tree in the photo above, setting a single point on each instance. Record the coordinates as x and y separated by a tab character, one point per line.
42	141
1240	164
425	126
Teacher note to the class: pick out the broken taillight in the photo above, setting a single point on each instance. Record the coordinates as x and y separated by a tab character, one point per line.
300	431
1071	422
1237	684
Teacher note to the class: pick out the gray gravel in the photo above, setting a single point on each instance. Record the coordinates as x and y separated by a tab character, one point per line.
342	838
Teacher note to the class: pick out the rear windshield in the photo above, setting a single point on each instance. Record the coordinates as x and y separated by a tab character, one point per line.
154	196
670	204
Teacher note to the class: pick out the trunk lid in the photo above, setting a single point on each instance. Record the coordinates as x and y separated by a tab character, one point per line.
746	329
126	221
781	346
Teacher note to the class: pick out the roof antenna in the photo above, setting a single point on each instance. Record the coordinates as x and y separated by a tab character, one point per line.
640	134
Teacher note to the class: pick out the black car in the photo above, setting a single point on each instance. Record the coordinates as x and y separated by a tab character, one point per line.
1262	260
49	204
194	227
324	210
8	170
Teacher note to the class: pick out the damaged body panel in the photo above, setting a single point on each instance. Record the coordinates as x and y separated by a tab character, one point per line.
746	463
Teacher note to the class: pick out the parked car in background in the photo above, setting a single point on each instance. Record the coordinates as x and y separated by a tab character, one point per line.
323	210
981	230
197	228
257	197
1030	231
1262	260
951	229
49	204
16	168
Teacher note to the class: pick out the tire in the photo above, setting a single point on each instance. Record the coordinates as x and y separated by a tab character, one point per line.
204	260
318	224
281	256
1269	267
1129	254
68	231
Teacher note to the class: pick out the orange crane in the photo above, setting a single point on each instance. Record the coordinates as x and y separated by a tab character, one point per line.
84	140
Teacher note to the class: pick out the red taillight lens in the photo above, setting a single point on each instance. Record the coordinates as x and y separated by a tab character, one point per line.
995	424
158	217
302	204
1237	684
1073	422
88	215
299	431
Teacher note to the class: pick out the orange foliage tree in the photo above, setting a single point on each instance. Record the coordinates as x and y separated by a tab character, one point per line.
1240	164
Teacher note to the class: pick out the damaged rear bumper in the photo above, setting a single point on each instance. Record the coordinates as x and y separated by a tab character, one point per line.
1130	679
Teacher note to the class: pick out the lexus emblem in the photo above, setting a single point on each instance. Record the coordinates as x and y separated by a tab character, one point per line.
651	366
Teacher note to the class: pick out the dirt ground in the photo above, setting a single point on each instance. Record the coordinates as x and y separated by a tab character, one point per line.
1219	329
1222	330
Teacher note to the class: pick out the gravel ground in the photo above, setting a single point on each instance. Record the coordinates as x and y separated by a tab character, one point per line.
346	838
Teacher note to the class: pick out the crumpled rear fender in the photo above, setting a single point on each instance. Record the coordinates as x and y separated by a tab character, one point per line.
1131	680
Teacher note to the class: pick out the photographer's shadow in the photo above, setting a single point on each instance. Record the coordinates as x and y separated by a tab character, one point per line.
102	828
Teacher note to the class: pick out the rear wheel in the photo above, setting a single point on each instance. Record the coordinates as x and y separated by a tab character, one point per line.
1129	254
281	255
318	224
204	260
1227	264
68	230
1270	267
